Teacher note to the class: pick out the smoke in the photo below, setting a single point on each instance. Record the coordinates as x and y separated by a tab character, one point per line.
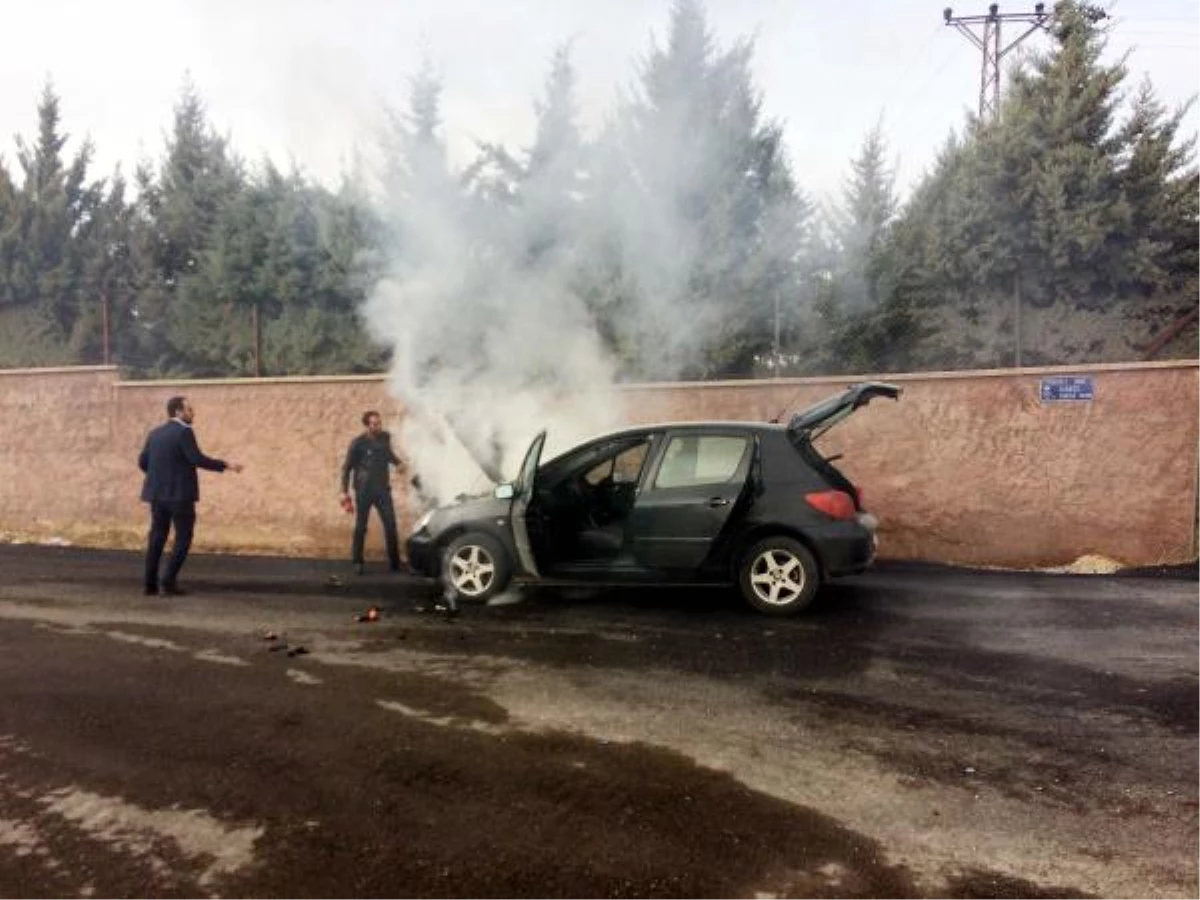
491	343
518	292
485	357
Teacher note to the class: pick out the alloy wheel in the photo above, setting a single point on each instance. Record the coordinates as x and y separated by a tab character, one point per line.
777	577
472	570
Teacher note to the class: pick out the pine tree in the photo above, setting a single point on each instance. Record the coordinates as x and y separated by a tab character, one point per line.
106	319
1159	180
528	203
553	182
417	181
216	301
45	241
1032	238
315	266
10	238
181	307
869	205
842	330
709	222
434	265
1052	162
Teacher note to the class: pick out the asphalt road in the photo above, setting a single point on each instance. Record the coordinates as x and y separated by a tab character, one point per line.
920	733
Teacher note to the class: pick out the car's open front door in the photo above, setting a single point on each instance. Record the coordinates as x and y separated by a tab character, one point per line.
522	496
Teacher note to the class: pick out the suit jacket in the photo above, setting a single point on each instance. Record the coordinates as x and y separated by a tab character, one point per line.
170	459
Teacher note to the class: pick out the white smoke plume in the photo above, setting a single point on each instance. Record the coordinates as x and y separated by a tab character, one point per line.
499	276
491	342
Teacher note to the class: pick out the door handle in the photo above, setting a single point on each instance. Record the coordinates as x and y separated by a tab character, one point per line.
714	502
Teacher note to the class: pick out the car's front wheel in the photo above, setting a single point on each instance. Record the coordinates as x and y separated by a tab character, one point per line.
475	568
779	576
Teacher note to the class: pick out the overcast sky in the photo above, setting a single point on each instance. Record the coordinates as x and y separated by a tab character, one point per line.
305	79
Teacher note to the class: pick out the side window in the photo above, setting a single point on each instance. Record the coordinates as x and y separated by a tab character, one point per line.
701	459
623	468
627	467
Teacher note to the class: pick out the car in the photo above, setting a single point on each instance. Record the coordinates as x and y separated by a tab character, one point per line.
751	504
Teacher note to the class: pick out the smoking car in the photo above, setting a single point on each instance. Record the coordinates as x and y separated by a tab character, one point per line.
751	504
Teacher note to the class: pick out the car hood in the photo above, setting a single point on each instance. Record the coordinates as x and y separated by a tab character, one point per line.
469	509
833	409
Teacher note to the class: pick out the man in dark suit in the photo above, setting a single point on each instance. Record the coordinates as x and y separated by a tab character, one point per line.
170	459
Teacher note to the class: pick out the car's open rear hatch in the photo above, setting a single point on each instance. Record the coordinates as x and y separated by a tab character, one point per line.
809	424
820	417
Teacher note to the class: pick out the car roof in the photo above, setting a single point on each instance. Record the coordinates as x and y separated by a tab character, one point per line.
690	425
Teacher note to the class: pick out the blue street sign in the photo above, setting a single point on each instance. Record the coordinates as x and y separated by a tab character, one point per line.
1068	387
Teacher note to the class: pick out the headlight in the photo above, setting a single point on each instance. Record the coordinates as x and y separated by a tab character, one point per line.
423	521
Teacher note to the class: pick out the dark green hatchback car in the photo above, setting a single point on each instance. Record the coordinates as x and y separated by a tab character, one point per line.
751	504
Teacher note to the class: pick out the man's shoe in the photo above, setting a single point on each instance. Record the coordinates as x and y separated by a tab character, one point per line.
150	590
171	590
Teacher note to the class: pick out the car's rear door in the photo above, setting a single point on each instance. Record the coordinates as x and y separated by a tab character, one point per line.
686	499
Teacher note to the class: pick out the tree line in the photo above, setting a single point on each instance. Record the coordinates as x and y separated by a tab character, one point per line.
1062	231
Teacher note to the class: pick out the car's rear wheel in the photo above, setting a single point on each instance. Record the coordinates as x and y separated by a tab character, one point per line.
779	576
475	568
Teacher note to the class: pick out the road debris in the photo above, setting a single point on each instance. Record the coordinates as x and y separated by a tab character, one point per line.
1088	564
371	615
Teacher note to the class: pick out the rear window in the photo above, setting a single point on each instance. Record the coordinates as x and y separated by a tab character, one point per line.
701	459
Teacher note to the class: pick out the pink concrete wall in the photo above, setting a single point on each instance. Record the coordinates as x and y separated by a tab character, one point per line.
972	468
57	466
967	468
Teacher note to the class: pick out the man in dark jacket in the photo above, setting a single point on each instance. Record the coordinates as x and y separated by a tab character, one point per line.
170	459
367	462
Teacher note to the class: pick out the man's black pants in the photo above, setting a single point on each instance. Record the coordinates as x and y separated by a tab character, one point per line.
163	516
382	501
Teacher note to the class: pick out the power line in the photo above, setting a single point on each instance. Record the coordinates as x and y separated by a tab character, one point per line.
1160	32
1191	21
919	59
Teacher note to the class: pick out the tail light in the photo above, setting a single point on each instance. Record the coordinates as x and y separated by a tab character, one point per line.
835	504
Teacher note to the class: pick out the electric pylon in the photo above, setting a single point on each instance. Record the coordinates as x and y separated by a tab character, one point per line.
987	39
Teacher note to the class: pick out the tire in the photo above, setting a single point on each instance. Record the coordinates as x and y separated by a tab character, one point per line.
475	568
778	576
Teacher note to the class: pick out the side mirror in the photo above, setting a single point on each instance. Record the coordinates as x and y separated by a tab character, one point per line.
503	492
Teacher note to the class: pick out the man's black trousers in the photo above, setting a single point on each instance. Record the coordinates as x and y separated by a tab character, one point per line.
382	501
180	515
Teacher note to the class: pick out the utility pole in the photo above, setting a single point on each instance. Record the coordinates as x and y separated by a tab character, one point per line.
775	349
984	33
257	324
104	316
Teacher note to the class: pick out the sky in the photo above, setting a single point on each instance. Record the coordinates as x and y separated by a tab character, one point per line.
304	81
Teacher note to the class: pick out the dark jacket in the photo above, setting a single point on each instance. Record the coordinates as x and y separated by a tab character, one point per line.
170	459
368	459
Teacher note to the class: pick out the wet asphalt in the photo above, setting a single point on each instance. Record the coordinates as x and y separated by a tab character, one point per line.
921	732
